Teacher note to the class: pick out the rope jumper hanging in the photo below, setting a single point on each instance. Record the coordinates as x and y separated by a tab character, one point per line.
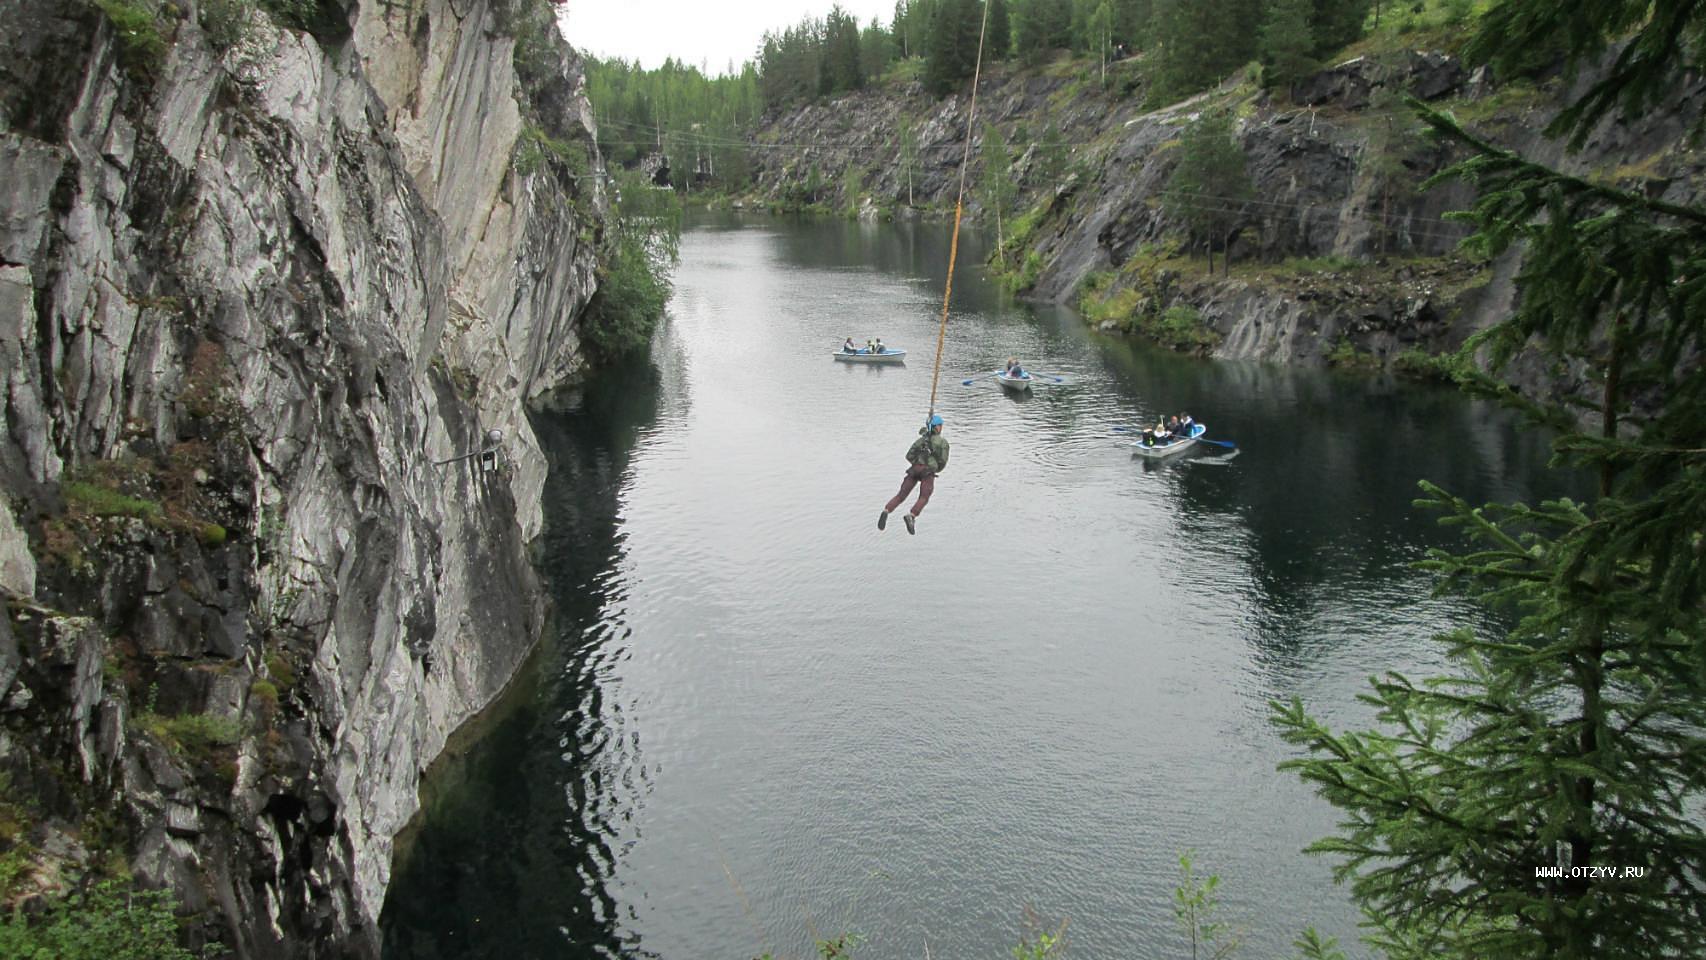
929	453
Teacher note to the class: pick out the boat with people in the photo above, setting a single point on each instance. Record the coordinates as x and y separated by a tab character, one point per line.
1168	445
1014	382
873	351
866	355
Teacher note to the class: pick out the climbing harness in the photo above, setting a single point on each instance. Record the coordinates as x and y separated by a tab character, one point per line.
959	206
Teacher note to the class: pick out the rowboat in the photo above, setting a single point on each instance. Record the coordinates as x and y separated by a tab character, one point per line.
889	355
1170	446
1017	384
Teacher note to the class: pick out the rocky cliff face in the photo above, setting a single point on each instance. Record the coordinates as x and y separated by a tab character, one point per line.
1336	167
276	283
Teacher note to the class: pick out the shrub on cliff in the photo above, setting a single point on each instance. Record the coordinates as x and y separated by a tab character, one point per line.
108	921
640	249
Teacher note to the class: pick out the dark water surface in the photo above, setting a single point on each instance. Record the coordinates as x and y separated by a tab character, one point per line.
760	721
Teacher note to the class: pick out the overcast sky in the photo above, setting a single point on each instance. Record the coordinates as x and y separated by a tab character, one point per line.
703	33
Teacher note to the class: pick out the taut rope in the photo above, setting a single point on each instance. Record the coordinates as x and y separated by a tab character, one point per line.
959	206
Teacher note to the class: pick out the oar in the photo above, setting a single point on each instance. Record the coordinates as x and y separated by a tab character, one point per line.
967	383
1046	376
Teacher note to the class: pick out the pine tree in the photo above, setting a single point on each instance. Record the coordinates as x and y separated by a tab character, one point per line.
1337	24
1474	818
998	45
1044	26
951	51
1199	44
841	70
1052	156
1210	187
1287	43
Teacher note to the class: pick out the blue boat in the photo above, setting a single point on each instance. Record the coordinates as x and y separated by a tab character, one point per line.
1171	445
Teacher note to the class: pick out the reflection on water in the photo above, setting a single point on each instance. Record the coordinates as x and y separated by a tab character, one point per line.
760	721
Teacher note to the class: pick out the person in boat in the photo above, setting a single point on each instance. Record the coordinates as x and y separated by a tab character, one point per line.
1013	368
870	346
879	348
927	456
849	346
1186	424
1173	425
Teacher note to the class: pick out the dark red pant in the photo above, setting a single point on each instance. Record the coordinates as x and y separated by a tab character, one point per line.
924	478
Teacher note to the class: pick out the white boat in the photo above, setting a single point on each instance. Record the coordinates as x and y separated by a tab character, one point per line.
1018	384
889	355
1171	446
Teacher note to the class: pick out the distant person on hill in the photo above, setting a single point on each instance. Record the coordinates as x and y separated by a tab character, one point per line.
927	456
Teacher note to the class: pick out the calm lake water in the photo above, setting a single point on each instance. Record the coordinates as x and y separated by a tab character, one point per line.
759	721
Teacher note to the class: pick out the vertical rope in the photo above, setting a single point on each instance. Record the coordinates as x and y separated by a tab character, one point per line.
959	206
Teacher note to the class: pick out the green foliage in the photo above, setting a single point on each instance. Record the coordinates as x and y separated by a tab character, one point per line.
16	868
1664	40
1337	24
1210	186
678	111
195	735
641	247
1310	946
998	41
997	189
1196	907
821	58
1573	737
281	671
102	501
1346	356
1197	45
1287	43
1039	944
1044	26
839	947
108	921
536	148
840	69
533	24
225	22
141	42
950	56
1421	365
1182	326
266	693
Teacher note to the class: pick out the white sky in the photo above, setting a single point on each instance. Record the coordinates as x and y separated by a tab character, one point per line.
702	33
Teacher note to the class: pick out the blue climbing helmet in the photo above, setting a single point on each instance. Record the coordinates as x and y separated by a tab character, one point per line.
935	420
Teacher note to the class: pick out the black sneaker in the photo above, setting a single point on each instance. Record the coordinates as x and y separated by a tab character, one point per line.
908	518
883	520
